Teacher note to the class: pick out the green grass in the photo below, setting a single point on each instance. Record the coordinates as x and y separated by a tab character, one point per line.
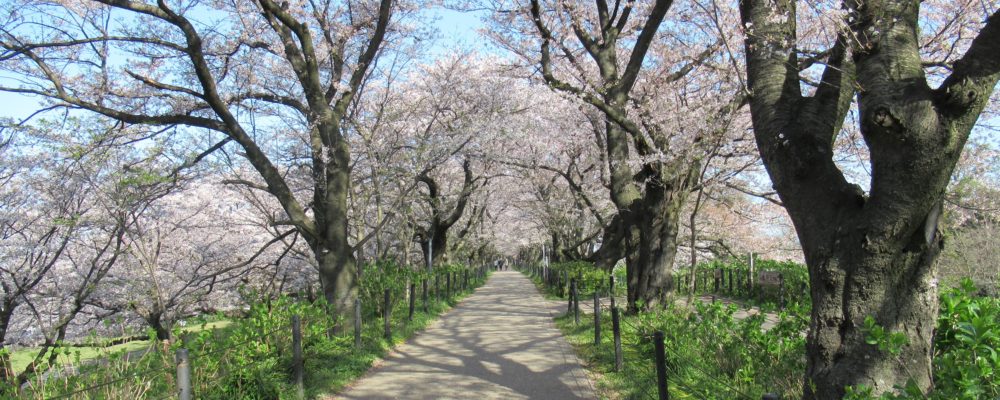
248	358
710	354
71	355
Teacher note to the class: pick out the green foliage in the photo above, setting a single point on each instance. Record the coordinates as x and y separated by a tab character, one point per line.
589	278
251	357
889	342
710	354
795	275
966	362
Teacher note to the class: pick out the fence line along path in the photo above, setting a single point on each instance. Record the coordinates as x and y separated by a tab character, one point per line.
499	343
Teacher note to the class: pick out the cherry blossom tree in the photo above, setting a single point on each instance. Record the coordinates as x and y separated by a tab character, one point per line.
624	61
254	73
66	206
871	251
192	246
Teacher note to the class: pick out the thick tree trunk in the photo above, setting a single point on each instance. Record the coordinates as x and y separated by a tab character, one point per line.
890	280
338	277
652	242
6	369
155	321
438	252
868	255
338	268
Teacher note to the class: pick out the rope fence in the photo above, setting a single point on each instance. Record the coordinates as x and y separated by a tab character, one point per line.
647	377
454	285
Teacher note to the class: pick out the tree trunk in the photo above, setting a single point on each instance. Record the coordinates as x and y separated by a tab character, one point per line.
439	242
155	321
889	279
338	276
338	268
868	255
652	241
6	369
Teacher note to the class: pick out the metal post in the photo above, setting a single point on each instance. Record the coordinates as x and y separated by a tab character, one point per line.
616	332
357	322
430	252
297	362
387	316
183	375
661	365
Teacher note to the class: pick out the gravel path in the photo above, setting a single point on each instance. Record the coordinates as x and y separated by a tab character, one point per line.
499	343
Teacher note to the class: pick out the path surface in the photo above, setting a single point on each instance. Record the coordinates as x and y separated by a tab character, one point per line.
499	343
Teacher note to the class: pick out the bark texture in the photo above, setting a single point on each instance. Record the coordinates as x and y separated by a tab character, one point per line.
868	255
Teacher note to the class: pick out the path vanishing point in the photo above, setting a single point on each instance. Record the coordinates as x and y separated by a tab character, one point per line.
498	343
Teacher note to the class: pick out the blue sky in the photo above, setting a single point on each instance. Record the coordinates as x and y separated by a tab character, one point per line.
457	30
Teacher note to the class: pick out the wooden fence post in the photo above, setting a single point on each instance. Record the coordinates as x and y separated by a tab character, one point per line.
387	316
357	323
297	362
424	295
730	281
781	291
575	297
569	301
597	318
616	332
183	375
718	279
661	365
413	290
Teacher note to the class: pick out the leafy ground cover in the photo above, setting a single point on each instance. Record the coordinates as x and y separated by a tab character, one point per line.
251	357
710	354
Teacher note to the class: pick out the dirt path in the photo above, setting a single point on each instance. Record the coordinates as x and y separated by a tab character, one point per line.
499	343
